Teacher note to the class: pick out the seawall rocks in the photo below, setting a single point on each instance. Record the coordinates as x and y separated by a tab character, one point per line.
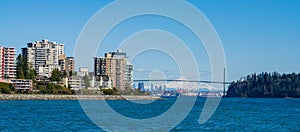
73	97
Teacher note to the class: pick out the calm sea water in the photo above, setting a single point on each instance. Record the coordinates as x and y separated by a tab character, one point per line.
233	114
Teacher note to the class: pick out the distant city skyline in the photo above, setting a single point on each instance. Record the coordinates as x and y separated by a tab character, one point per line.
257	36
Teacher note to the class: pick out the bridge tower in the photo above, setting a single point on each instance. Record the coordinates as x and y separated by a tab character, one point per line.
224	80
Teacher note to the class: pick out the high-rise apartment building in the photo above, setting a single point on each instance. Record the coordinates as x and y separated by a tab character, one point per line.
62	62
44	56
115	66
129	74
67	64
7	63
70	65
99	67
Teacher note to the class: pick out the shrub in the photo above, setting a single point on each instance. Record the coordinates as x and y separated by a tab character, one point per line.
5	90
110	91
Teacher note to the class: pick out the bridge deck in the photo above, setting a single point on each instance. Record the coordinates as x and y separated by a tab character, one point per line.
197	81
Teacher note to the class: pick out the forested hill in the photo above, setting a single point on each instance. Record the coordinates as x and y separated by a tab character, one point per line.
266	85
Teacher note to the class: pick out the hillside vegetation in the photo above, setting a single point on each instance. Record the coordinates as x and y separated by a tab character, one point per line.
266	85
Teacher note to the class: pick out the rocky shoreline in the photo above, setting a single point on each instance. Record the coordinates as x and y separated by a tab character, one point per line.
74	97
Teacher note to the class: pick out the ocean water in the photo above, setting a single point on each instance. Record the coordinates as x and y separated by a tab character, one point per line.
233	114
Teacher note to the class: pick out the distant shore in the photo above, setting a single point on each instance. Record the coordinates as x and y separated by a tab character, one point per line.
74	97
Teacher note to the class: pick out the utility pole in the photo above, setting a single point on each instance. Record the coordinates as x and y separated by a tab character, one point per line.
224	77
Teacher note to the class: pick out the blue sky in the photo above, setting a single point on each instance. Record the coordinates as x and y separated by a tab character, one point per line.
257	35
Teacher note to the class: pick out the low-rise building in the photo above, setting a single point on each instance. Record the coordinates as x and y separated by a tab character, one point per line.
74	83
46	70
105	82
83	71
21	84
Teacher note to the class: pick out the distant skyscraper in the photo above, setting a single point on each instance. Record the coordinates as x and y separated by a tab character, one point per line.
7	63
152	87
141	86
114	65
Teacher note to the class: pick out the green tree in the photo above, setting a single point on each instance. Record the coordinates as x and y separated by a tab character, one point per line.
31	73
266	85
64	73
86	81
110	91
70	73
24	70
21	75
56	75
21	67
5	90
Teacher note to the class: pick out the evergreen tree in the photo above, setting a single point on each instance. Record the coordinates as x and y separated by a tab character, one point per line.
20	67
24	70
56	75
86	81
266	85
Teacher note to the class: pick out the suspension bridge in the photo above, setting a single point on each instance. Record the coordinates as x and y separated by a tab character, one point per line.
185	80
180	80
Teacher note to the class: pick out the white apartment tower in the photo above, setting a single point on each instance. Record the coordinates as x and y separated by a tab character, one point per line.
43	56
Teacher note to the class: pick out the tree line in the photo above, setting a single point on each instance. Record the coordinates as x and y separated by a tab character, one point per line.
273	85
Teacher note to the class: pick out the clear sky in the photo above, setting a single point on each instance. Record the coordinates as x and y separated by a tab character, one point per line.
257	35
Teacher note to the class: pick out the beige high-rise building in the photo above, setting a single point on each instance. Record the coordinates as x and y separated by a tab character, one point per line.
115	69
70	65
7	63
62	62
67	64
114	65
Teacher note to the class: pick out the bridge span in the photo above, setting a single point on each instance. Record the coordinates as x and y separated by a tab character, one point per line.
178	80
